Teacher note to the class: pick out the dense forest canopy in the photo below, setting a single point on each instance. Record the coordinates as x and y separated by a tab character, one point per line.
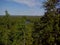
32	30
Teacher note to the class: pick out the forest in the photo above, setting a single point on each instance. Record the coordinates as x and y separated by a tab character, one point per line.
32	30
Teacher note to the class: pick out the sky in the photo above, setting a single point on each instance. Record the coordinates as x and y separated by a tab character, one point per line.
22	7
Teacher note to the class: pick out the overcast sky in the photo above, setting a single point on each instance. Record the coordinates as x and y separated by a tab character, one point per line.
22	7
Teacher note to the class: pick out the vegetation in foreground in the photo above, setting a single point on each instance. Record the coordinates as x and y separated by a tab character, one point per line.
26	30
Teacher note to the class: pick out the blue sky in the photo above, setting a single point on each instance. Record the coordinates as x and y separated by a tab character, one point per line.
22	7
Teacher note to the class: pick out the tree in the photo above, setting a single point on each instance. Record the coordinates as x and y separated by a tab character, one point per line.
51	20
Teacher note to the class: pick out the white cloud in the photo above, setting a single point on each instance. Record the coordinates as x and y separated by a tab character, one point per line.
30	3
36	11
30	12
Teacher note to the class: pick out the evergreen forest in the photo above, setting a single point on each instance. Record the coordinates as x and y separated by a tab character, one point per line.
32	30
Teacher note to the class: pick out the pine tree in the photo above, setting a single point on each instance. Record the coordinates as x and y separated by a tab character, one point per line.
51	20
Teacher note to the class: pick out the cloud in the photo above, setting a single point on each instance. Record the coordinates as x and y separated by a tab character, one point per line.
36	10
30	3
30	12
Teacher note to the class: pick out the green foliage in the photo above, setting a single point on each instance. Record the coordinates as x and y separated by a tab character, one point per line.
26	30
